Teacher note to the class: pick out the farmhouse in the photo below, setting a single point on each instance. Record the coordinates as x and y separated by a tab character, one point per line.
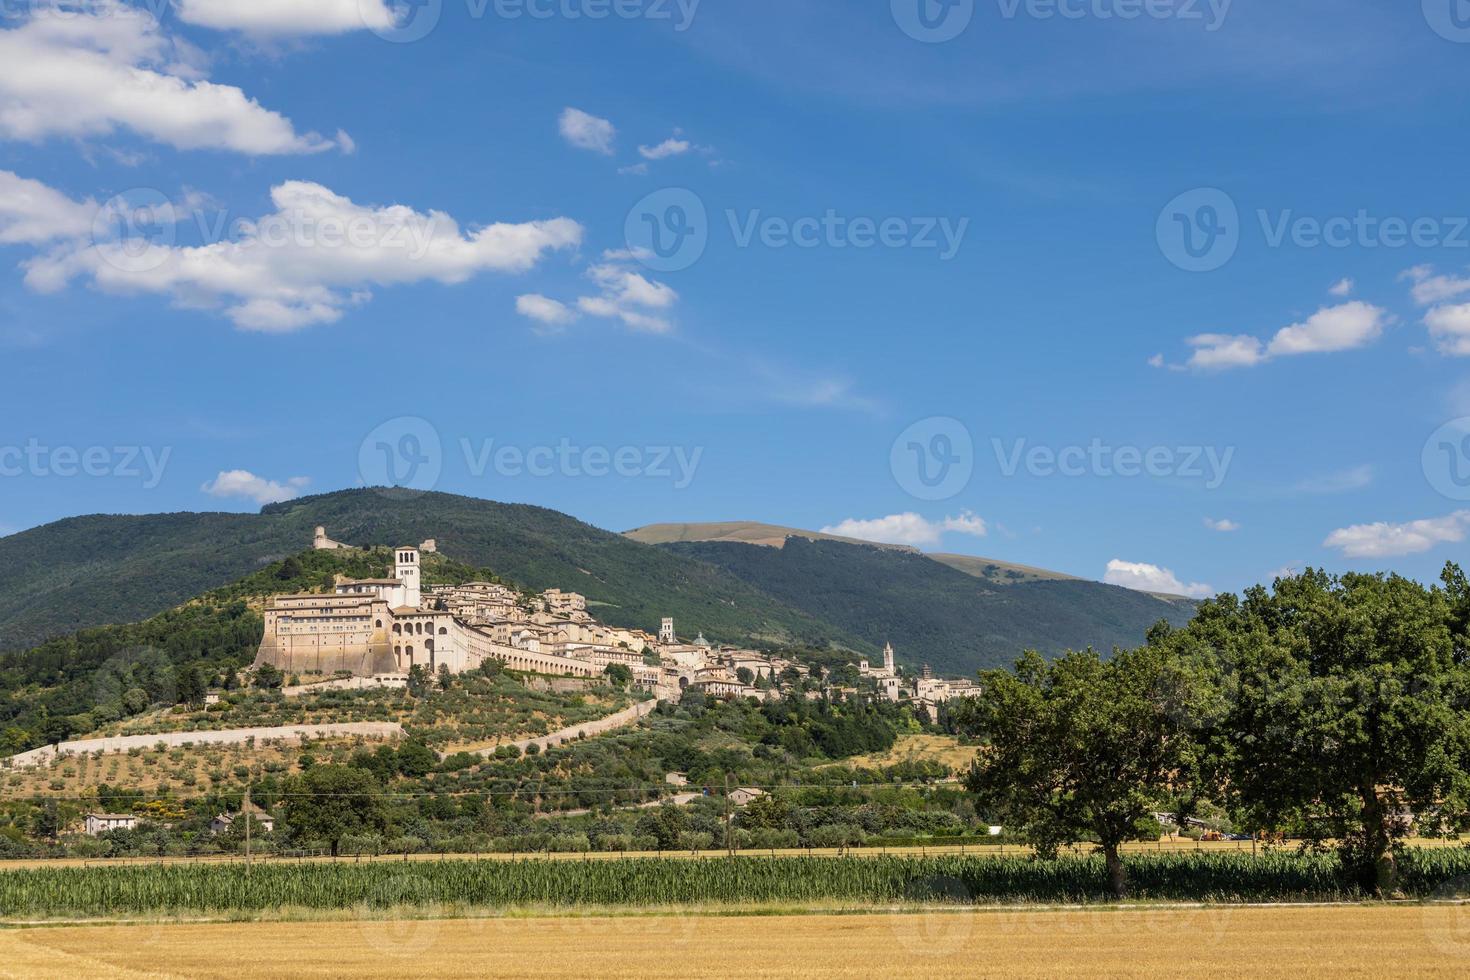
98	824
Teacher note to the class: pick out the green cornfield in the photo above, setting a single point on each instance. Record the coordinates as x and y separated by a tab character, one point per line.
644	882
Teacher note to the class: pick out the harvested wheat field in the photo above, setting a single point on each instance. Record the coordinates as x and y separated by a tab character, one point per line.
1336	941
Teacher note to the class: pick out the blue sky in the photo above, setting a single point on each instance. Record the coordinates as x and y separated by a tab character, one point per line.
1178	298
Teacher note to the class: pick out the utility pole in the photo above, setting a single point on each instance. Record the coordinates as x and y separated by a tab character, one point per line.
729	827
245	814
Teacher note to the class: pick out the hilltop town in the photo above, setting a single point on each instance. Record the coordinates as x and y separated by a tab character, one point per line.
378	630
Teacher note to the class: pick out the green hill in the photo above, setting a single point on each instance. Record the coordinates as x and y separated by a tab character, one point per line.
936	614
90	571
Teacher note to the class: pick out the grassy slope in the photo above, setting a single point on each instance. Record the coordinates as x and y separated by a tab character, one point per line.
933	613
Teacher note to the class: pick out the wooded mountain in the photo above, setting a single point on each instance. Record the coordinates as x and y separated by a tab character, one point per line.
91	571
933	613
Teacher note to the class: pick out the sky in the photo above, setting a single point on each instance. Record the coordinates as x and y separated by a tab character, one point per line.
1169	293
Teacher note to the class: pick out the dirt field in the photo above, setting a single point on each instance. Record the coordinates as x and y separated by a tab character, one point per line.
1430	941
943	749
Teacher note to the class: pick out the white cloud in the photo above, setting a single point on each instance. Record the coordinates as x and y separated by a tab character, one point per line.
107	66
671	147
628	295
1341	481
288	17
635	170
543	310
307	262
1334	328
1224	525
1385	540
587	132
1143	577
1338	328
243	483
1450	328
1220	352
1342	288
910	529
32	213
1431	288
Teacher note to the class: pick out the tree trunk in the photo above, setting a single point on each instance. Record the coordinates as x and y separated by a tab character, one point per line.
1378	875
1117	874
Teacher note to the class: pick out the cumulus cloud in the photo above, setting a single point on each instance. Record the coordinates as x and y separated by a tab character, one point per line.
243	483
1450	328
1431	287
1335	328
288	17
1224	525
106	66
586	131
671	147
1342	288
1143	577
1386	540
627	295
307	262
1220	352
909	528
545	311
33	214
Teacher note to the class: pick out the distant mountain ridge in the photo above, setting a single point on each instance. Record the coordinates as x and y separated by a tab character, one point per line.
775	536
933	613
